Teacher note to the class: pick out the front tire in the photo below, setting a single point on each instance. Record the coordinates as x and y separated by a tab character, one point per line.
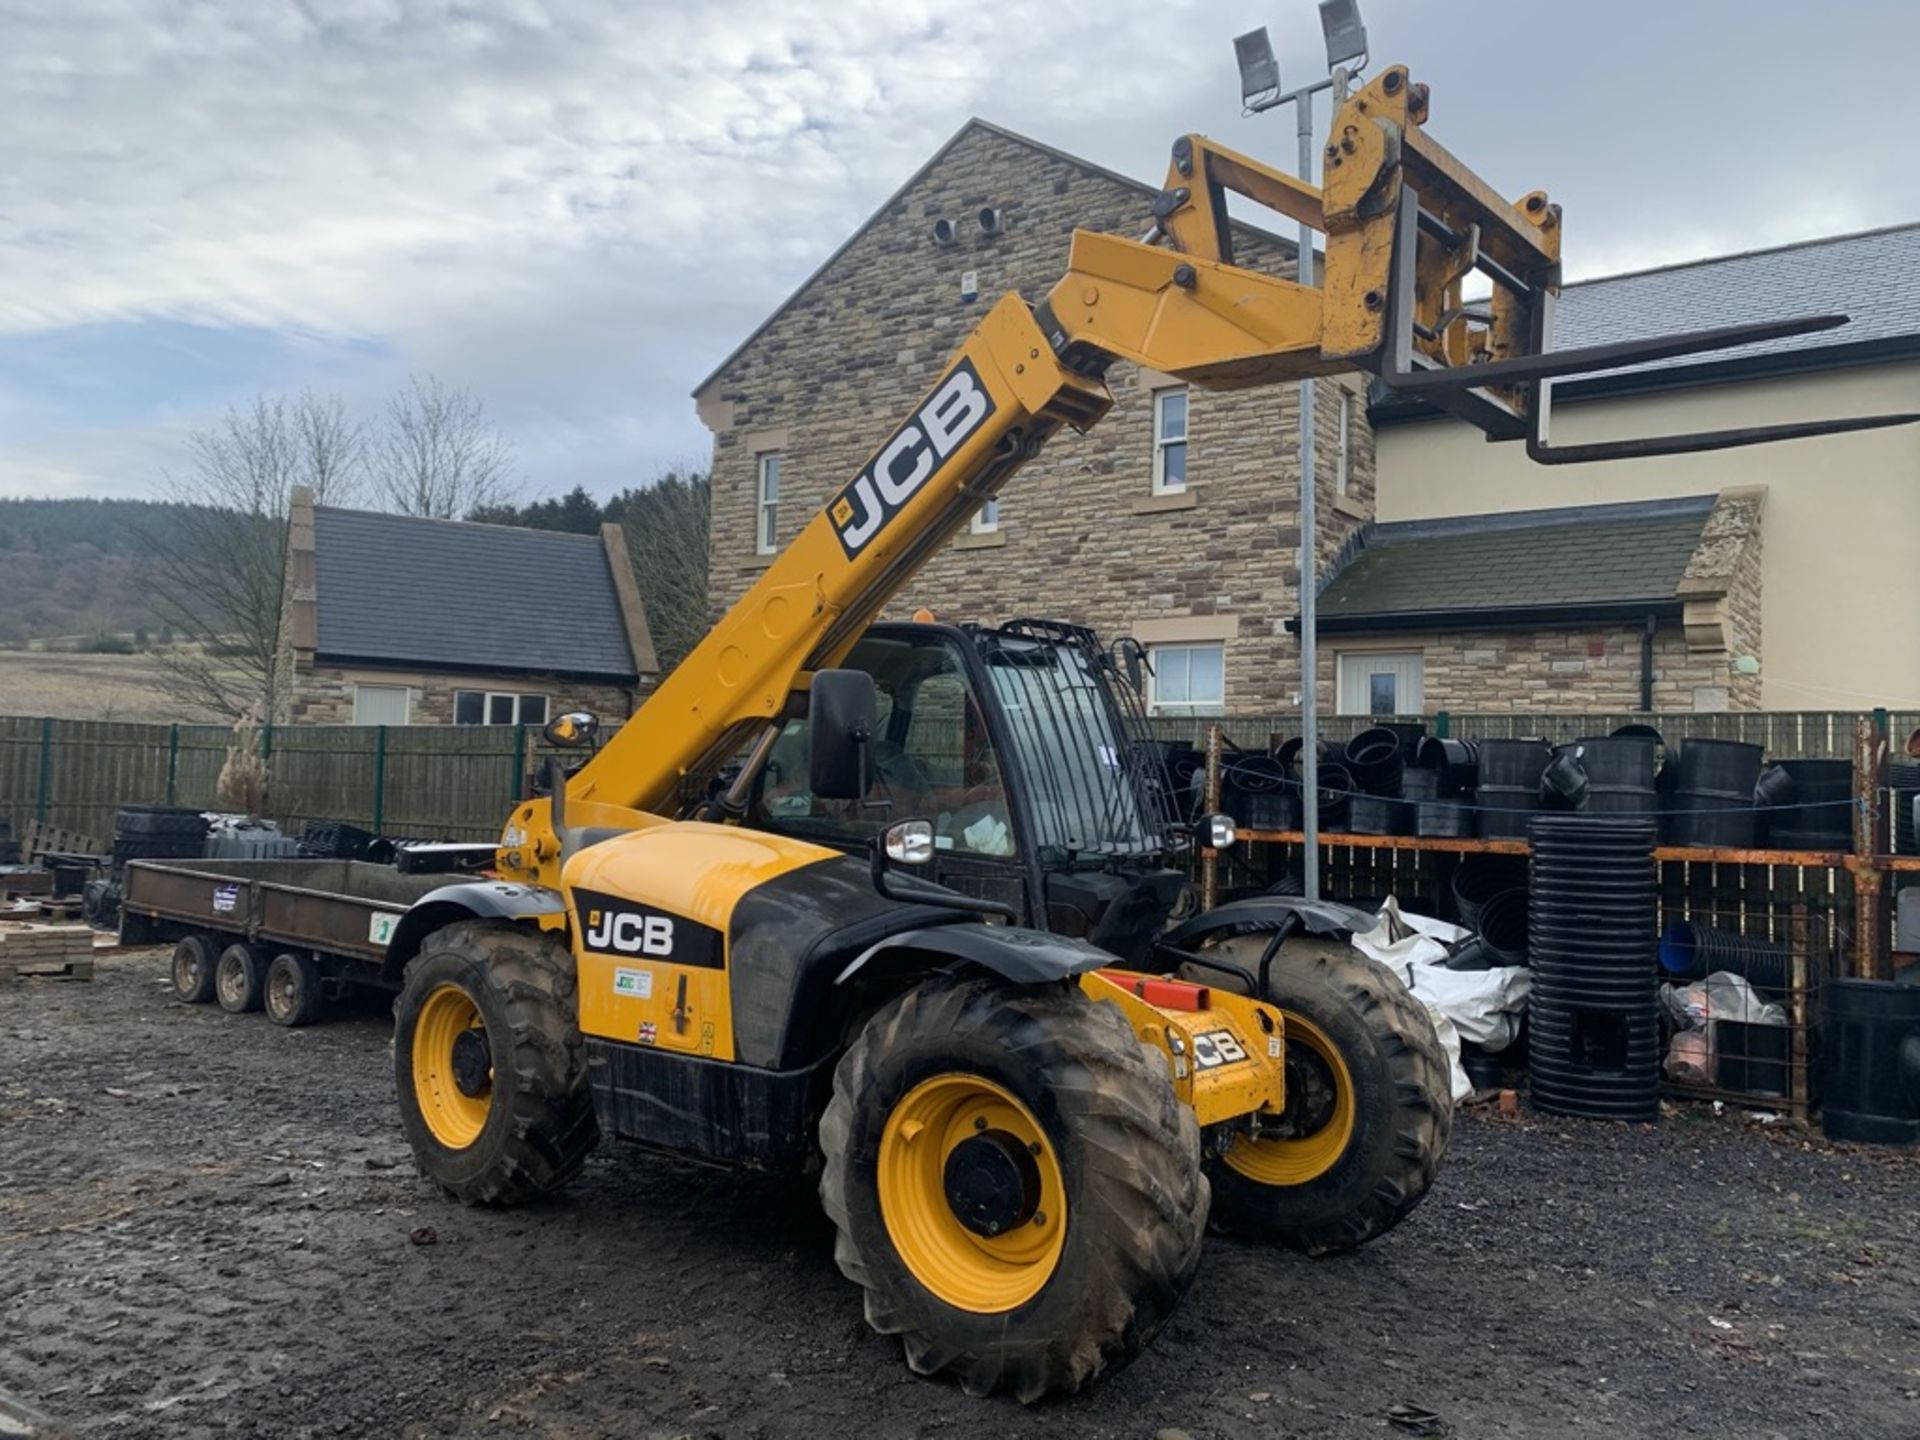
491	1066
1016	1187
1369	1099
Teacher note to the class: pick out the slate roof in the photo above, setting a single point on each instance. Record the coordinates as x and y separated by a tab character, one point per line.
449	594
1568	563
1872	276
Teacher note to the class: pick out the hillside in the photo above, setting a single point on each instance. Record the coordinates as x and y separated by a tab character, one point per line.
75	568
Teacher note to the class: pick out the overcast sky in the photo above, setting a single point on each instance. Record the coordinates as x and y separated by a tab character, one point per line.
577	207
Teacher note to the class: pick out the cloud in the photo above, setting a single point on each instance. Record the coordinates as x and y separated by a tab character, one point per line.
578	206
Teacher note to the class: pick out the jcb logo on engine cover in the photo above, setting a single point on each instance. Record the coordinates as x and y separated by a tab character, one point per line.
1215	1048
958	406
610	925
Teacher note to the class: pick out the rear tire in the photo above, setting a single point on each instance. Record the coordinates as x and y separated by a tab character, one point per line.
239	979
490	1064
192	970
1369	1090
1116	1157
291	994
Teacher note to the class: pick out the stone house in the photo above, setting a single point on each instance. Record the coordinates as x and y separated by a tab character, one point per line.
395	620
1173	520
1176	519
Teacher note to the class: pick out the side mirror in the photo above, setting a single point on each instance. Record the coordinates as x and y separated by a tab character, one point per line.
909	843
573	729
840	710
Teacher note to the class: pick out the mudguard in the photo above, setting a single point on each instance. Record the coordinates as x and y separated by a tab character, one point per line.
1260	913
1014	953
474	900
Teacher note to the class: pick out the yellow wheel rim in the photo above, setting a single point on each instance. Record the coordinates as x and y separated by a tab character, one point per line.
985	1274
454	1117
1294	1160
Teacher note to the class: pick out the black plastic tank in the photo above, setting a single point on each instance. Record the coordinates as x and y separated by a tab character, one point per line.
1456	761
1478	878
1259	794
1620	774
1593	1014
1712	799
1870	1061
1508	792
1822	813
1377	815
1503	927
1375	760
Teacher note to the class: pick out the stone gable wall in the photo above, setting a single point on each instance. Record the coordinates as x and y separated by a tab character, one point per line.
1081	535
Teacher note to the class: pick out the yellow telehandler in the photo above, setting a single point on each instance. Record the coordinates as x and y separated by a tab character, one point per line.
1021	1093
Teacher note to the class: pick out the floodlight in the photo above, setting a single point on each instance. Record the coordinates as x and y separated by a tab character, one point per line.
1259	71
1346	36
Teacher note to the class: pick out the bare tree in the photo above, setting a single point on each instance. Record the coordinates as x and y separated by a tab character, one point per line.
666	524
218	563
436	453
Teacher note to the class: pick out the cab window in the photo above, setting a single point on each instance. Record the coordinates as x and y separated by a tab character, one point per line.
931	758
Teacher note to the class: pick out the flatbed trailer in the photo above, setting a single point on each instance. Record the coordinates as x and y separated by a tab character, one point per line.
253	932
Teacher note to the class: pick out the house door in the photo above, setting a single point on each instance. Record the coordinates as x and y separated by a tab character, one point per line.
1379	682
380	704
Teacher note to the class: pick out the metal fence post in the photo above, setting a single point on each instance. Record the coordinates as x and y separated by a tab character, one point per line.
518	780
173	762
46	769
379	778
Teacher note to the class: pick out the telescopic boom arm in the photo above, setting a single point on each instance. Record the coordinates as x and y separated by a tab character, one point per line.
1406	224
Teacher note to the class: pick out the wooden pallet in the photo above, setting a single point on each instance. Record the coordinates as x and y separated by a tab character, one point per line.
70	969
66	907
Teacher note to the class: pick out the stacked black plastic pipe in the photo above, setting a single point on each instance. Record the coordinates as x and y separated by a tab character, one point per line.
1593	938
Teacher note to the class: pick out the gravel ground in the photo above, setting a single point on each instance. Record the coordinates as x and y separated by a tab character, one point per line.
208	1225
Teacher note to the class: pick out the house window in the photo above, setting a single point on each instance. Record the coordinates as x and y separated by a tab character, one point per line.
1188	679
986	520
1377	682
766	529
498	707
381	704
1343	434
1170	441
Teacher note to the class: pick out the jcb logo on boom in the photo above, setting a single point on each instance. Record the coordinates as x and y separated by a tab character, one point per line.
918	450
627	933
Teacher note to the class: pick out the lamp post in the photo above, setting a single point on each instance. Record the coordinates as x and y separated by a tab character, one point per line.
1260	90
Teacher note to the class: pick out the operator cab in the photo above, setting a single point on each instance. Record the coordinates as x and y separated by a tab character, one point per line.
1015	744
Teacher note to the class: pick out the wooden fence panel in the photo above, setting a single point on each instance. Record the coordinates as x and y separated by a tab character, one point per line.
458	782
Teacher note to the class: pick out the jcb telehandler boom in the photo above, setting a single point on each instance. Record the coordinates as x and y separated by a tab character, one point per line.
1016	1177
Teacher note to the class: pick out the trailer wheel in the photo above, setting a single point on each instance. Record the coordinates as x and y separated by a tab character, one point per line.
1015	1186
1369	1104
490	1064
193	967
291	994
239	979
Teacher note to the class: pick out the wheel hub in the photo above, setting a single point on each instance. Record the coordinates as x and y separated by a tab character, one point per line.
992	1183
472	1063
1312	1092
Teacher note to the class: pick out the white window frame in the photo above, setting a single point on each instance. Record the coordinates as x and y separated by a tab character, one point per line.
986	520
1159	658
766	508
405	691
1162	442
487	697
1344	658
1342	477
